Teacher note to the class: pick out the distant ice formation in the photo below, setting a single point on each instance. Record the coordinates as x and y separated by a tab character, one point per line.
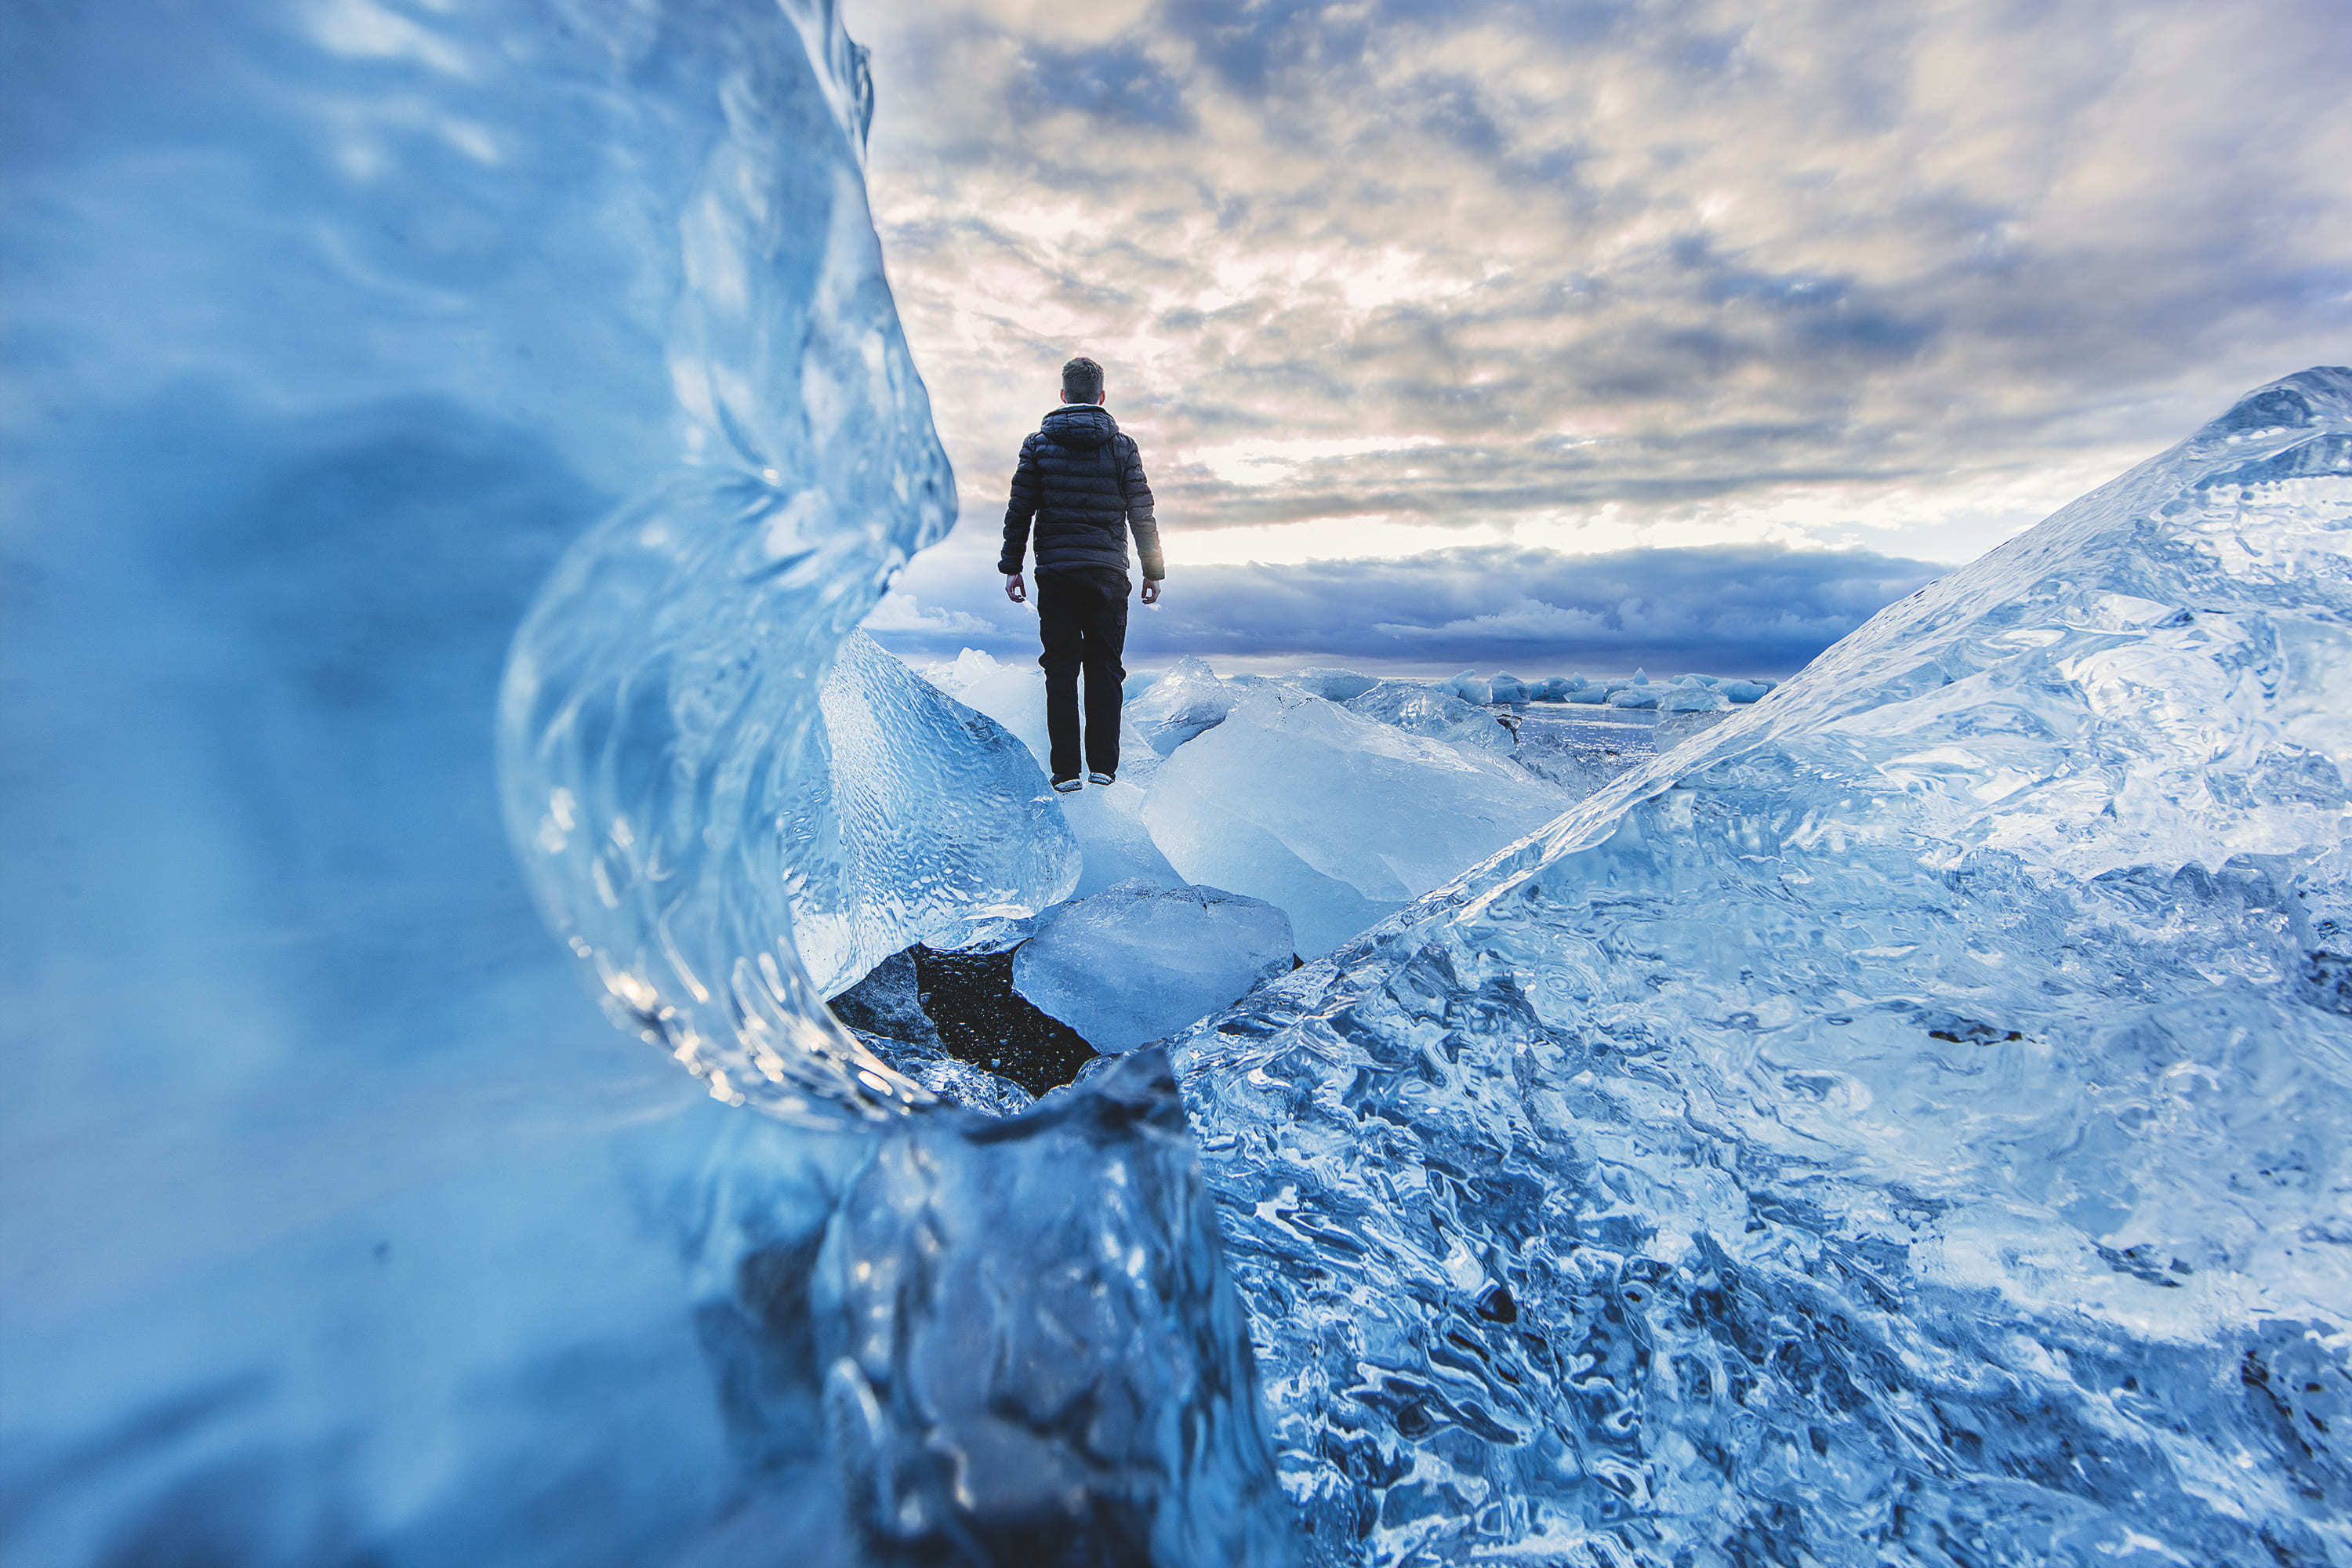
1425	710
1188	700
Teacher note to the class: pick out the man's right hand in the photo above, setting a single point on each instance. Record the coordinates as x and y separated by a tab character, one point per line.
1015	589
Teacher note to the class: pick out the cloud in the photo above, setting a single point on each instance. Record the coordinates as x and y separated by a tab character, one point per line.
1603	276
1121	83
1728	609
906	616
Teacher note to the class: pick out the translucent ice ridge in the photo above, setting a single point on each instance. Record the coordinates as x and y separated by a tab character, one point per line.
659	712
1907	1122
929	819
335	1225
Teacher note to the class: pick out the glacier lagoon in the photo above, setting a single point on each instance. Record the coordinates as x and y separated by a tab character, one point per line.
1902	1122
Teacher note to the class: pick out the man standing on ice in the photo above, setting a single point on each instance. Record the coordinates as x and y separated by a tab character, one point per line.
1083	483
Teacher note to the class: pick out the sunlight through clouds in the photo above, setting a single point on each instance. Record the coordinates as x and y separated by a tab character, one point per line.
1380	281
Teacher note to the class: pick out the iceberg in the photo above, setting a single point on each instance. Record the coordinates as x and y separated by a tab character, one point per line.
1137	962
956	675
1332	685
1335	818
1470	688
1439	715
1903	1122
1692	700
1188	700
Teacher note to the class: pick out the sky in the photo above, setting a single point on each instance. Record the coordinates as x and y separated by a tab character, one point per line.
1582	335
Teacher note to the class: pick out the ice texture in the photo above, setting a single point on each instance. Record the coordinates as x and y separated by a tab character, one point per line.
335	1224
1028	1348
1470	687
1335	818
1681	699
1906	1123
1332	685
1137	962
929	820
1425	710
1188	700
1114	846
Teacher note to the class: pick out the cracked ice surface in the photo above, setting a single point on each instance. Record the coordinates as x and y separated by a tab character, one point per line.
1904	1123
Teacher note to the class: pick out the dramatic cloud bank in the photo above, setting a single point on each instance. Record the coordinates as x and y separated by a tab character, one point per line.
1728	609
1485	284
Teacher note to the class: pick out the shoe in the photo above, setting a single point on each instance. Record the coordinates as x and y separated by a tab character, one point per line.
1102	778
1066	786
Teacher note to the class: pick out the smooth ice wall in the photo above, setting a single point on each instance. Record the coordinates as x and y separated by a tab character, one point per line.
332	1211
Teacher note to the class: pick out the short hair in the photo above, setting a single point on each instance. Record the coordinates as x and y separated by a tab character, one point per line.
1082	380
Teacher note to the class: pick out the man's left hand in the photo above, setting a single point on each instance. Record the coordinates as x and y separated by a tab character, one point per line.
1150	591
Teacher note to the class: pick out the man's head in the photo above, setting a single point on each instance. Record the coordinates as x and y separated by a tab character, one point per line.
1082	380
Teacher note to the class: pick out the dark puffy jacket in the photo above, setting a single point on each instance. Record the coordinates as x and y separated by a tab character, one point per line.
1083	482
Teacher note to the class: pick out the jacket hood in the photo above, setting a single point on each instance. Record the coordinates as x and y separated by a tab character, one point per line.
1082	426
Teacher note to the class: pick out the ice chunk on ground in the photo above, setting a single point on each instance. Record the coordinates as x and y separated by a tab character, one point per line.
1107	821
1425	710
1186	701
1635	696
937	820
1139	961
1929	1089
1332	685
1507	688
1692	700
1335	817
1024	1346
1743	691
970	666
1580	751
886	1010
1470	687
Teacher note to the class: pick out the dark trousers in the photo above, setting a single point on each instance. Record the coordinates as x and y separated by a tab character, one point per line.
1082	620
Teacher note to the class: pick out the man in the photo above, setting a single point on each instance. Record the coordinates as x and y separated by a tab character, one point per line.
1083	483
